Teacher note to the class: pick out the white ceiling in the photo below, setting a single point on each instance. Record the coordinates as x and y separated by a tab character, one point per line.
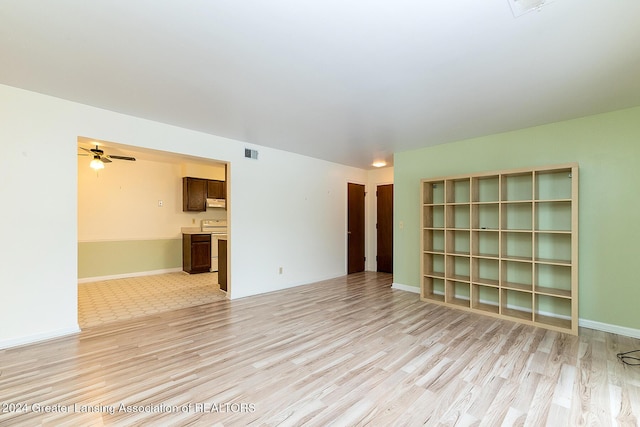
346	81
139	153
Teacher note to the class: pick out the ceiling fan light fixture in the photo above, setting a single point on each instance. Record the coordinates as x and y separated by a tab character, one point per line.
96	163
379	164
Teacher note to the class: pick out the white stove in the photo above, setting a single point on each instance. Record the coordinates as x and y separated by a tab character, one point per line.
217	227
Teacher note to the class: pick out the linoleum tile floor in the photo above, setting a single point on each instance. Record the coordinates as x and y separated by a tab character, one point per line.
122	299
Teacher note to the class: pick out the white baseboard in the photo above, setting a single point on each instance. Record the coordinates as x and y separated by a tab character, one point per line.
401	287
606	327
127	275
30	339
585	323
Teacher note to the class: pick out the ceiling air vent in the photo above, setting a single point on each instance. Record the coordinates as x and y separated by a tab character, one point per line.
251	154
520	7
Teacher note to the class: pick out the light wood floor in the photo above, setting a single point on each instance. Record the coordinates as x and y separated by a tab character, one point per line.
349	351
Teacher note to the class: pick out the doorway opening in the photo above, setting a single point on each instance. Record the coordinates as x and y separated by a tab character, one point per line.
130	227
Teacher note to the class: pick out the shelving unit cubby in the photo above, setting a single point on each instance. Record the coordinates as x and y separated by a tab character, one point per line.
505	244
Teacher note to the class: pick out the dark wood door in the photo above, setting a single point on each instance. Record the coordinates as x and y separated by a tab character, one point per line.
384	208
355	228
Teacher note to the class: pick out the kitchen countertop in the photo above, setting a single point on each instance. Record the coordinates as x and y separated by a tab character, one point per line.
197	230
192	230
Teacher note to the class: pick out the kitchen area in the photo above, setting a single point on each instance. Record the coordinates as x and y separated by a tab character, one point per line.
134	218
204	247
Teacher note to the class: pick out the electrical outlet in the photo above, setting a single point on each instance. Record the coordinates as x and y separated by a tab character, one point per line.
193	220
160	203
280	270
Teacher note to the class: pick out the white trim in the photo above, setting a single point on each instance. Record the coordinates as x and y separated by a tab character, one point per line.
401	287
585	323
31	339
127	275
607	327
134	239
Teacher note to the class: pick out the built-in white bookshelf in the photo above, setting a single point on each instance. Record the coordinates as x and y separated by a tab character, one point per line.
504	244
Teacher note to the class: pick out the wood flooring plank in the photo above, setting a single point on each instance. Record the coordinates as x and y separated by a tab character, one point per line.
347	351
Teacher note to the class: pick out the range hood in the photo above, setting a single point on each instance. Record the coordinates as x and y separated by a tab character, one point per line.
216	203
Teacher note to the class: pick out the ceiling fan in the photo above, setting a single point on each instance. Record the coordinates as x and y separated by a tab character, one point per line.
99	158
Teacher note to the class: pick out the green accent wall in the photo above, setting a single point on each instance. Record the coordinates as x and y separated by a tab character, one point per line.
108	258
607	148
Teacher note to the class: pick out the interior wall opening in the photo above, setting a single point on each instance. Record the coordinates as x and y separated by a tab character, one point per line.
131	223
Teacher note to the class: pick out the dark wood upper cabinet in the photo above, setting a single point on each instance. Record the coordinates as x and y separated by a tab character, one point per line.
194	194
196	191
216	189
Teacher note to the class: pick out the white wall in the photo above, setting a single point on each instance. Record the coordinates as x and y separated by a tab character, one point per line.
286	210
204	171
120	202
296	208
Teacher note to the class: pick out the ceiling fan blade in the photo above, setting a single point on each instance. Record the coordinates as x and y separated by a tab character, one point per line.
105	159
87	150
131	159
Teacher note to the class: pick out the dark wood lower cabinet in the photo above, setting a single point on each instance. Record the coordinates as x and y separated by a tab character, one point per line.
222	264
196	253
